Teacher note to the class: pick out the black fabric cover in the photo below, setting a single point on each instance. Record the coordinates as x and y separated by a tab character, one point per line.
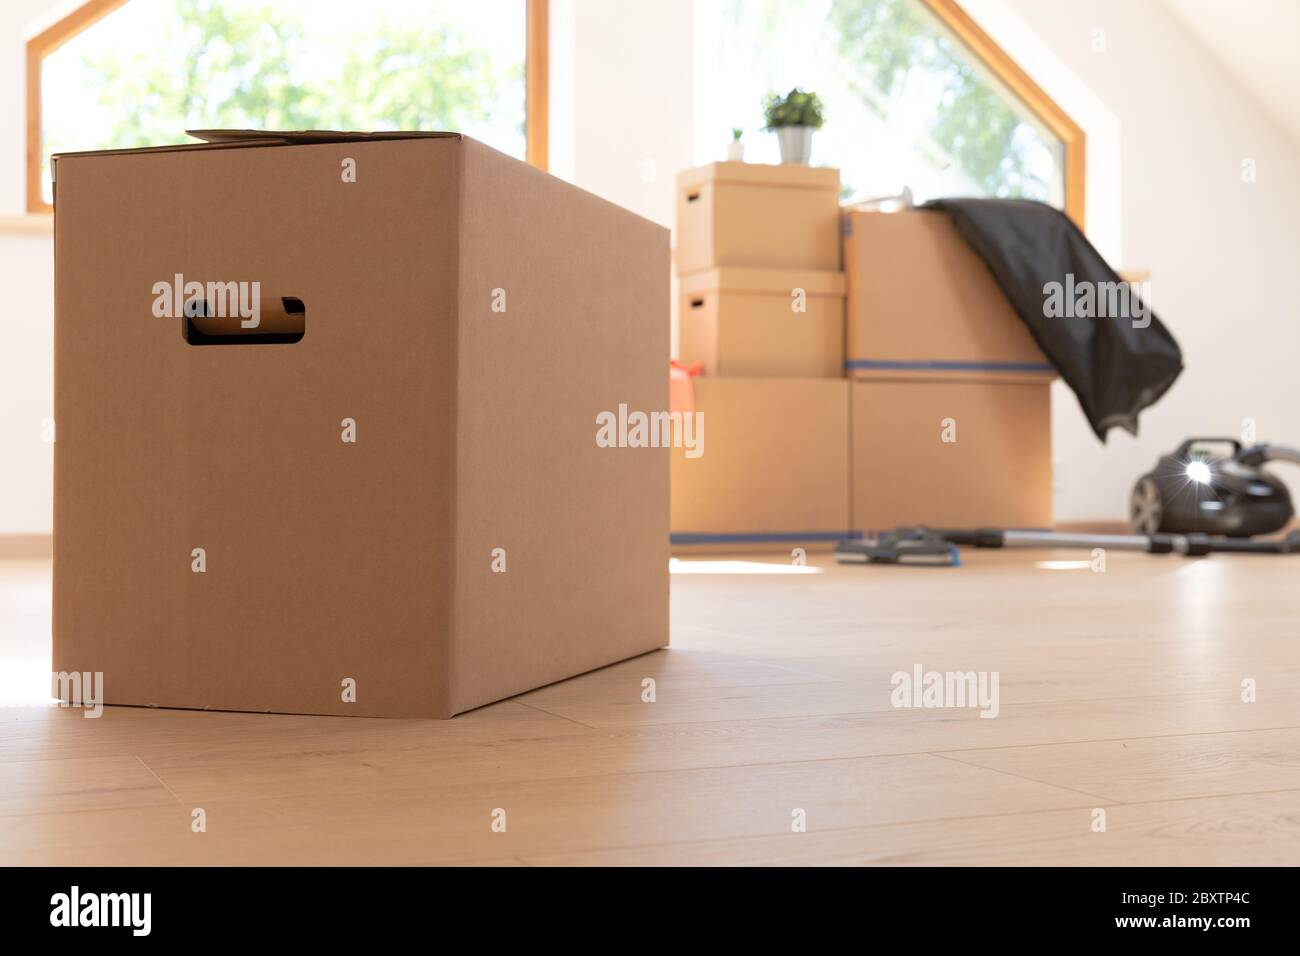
1116	370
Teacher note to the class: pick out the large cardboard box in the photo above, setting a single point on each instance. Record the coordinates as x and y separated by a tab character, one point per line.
397	495
758	216
951	453
759	322
774	472
920	300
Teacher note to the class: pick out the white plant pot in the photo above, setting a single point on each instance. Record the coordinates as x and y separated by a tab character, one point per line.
795	143
735	152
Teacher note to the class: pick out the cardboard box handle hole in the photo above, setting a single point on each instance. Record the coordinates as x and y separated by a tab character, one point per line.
281	321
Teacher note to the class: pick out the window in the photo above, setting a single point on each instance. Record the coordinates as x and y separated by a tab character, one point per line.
914	94
139	73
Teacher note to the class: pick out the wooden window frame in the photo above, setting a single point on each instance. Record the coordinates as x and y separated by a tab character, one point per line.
1030	93
92	11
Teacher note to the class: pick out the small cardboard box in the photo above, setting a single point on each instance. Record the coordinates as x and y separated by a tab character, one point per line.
951	453
920	300
758	216
757	322
384	496
774	468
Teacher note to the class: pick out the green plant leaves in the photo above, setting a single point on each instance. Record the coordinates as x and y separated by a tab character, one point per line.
796	108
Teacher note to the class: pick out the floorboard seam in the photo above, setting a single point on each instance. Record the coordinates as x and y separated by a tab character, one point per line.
160	780
550	713
1020	776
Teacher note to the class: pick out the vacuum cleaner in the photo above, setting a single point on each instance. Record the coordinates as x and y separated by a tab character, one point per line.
1195	490
1194	502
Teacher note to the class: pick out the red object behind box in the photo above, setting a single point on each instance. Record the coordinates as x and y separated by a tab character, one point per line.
681	390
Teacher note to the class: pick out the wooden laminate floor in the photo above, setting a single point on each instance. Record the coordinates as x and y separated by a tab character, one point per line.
1119	692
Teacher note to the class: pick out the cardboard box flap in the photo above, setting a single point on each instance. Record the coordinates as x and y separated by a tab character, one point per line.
732	279
301	136
172	148
243	138
787	175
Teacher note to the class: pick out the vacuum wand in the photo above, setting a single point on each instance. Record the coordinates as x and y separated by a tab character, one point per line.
1196	544
1191	545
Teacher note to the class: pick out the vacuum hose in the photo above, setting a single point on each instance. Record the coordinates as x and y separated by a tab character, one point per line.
1257	455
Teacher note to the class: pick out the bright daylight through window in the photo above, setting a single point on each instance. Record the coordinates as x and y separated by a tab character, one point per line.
287	64
906	103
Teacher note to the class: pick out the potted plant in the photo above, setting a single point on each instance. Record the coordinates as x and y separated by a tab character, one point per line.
736	149
794	117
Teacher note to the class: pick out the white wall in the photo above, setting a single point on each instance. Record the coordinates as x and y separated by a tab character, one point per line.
1168	129
622	86
27	277
26	383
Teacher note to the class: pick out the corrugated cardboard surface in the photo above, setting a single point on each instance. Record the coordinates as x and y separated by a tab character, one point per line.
751	215
919	299
775	469
997	473
586	329
328	560
742	322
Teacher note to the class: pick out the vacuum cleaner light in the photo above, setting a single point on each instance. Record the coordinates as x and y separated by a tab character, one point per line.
1199	472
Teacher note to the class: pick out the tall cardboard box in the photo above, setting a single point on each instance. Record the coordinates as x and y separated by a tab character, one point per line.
921	301
392	489
760	322
774	468
758	216
951	452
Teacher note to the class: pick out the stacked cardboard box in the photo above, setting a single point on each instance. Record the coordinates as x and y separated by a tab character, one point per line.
761	312
951	407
